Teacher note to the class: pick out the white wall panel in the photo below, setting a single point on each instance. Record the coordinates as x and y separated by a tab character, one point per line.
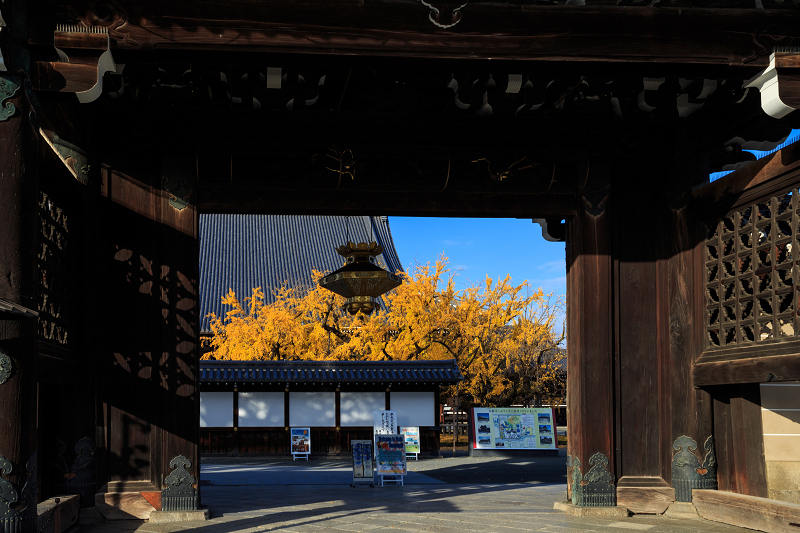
312	409
413	408
356	407
259	409
216	409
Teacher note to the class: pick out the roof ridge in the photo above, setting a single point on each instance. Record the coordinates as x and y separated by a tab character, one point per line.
427	362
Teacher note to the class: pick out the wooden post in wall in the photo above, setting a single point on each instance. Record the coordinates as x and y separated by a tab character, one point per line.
19	189
589	330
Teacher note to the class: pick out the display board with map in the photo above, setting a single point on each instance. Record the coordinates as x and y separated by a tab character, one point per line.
510	428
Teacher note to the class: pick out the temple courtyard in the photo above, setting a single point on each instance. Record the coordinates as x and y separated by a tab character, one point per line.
446	494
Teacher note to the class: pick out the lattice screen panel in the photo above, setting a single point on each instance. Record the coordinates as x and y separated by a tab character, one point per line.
752	272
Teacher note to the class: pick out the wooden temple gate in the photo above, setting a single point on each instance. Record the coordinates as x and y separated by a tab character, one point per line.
120	121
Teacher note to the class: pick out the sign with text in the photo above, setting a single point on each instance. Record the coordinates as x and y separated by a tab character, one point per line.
384	422
411	435
391	455
513	428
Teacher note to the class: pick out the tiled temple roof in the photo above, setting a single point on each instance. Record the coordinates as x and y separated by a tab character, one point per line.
330	372
241	252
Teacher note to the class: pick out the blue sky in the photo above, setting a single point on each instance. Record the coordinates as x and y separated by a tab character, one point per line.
478	247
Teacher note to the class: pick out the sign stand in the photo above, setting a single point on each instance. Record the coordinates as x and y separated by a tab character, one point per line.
391	459
362	462
389	479
300	443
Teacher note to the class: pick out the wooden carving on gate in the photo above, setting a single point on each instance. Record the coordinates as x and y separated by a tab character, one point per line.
445	13
688	472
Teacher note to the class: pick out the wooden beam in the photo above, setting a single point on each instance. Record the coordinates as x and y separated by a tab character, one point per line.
772	173
752	512
647	495
254	199
490	30
754	369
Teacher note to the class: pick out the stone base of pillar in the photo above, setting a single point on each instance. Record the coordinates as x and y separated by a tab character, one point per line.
165	517
614	512
682	510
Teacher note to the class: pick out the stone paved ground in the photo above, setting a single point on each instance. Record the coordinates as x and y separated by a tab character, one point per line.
518	497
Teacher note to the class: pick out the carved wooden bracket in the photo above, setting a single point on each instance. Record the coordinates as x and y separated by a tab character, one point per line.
780	82
445	13
85	57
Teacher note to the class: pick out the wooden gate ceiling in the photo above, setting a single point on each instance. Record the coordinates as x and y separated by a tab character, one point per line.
338	107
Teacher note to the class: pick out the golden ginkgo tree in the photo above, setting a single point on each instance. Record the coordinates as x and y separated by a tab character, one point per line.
505	337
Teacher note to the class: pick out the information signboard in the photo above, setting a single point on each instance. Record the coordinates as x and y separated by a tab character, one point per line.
391	457
514	428
384	422
300	442
362	460
411	435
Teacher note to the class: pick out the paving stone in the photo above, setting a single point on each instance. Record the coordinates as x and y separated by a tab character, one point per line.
324	504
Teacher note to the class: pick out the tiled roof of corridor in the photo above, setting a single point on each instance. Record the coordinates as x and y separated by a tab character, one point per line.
329	372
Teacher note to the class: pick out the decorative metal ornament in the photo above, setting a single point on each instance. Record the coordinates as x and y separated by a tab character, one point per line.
688	472
600	490
29	494
6	367
180	190
360	280
7	90
180	494
445	13
577	487
80	479
10	518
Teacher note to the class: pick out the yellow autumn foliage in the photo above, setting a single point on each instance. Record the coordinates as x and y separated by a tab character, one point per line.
503	336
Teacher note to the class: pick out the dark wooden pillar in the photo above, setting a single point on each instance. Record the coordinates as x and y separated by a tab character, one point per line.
634	303
150	350
589	330
19	190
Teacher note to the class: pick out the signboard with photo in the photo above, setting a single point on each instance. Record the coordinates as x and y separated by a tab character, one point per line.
514	428
391	455
411	435
300	442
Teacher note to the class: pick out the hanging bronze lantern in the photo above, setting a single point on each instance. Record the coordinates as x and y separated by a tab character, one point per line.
360	280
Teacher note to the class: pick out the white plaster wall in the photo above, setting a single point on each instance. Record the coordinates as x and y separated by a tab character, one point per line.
356	407
216	409
413	408
260	409
312	409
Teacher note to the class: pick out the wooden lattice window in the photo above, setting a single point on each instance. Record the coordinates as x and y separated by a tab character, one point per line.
752	273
